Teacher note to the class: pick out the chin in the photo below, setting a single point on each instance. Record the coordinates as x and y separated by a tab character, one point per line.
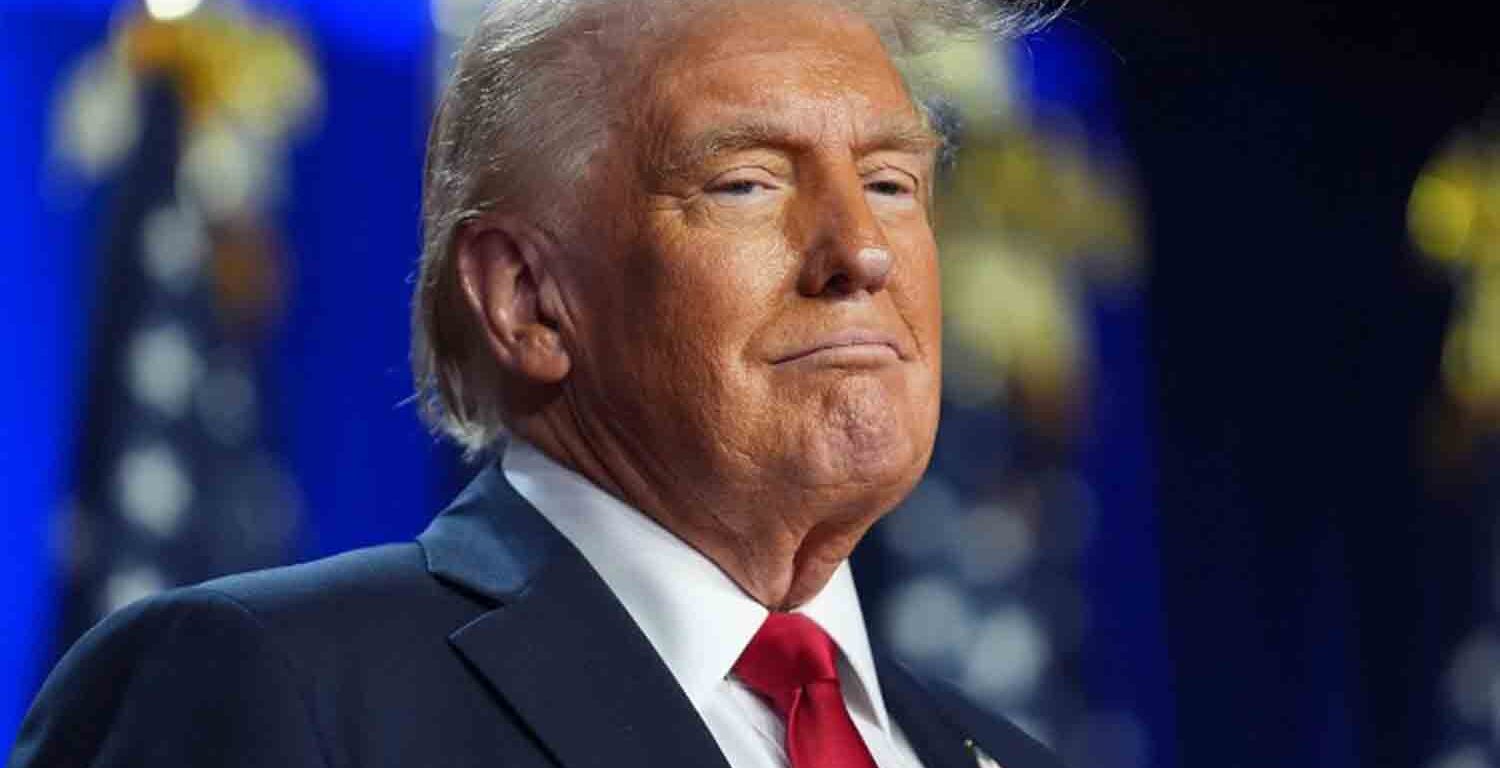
875	462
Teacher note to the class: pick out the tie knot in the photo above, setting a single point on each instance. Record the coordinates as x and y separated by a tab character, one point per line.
787	653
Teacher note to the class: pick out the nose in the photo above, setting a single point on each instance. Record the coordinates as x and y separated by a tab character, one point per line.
846	251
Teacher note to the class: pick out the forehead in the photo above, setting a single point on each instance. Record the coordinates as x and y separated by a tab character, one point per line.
791	63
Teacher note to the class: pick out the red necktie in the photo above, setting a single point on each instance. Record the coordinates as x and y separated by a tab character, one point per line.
790	663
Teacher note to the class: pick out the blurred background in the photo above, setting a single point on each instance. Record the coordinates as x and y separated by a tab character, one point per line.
1219	469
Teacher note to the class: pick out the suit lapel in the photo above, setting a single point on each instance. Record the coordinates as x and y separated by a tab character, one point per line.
937	742
946	730
559	647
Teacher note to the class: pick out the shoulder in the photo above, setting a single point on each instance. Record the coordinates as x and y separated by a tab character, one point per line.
343	576
350	613
337	621
128	691
223	617
252	657
352	590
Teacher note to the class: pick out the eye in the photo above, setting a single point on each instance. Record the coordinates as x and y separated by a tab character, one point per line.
888	187
742	187
891	189
737	187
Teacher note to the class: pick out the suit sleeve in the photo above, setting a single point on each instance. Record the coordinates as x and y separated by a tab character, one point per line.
186	679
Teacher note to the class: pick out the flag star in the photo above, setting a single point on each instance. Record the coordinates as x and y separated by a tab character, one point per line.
1009	653
126	586
173	243
998	543
163	368
226	170
153	490
929	619
98	120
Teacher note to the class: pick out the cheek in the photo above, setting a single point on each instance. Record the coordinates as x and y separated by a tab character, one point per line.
918	289
723	279
705	297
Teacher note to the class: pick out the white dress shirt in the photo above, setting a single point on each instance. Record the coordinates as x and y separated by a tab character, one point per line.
699	620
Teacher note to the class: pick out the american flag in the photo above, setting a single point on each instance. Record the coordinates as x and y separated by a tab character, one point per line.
173	482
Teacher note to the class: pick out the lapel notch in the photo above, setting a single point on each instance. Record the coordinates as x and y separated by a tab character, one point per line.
572	663
558	647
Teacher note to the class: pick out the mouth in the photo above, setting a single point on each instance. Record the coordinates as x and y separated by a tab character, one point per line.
849	348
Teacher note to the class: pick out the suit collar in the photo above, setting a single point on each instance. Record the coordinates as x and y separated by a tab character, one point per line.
489	540
557	646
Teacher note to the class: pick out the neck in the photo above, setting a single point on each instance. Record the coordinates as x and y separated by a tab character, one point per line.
771	547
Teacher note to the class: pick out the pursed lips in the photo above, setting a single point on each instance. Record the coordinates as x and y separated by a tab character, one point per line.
853	344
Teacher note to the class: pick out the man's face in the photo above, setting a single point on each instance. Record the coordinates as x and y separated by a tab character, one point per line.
757	311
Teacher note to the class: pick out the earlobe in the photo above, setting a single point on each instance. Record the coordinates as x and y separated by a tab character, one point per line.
542	357
501	268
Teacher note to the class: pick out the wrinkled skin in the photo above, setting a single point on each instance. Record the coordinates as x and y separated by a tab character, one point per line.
743	340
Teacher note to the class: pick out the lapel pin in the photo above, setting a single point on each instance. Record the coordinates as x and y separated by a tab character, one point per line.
983	760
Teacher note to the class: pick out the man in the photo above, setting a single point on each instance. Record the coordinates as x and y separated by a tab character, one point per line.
680	252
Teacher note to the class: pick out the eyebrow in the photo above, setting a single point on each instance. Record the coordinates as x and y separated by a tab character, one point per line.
899	135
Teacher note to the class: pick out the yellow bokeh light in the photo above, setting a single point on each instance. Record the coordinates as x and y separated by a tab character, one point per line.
1453	214
1441	216
1471	353
1454	219
1028	214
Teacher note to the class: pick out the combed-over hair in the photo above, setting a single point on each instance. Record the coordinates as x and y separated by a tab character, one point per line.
524	112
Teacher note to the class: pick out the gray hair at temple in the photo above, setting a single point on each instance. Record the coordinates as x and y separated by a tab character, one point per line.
524	112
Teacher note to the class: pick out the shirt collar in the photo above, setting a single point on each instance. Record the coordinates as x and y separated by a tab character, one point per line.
693	614
836	610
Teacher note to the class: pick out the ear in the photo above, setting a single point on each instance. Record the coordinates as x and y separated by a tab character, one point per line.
503	267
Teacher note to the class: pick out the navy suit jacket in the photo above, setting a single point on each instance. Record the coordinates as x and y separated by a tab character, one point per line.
489	642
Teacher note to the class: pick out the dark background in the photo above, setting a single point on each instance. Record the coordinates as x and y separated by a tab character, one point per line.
1316	580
